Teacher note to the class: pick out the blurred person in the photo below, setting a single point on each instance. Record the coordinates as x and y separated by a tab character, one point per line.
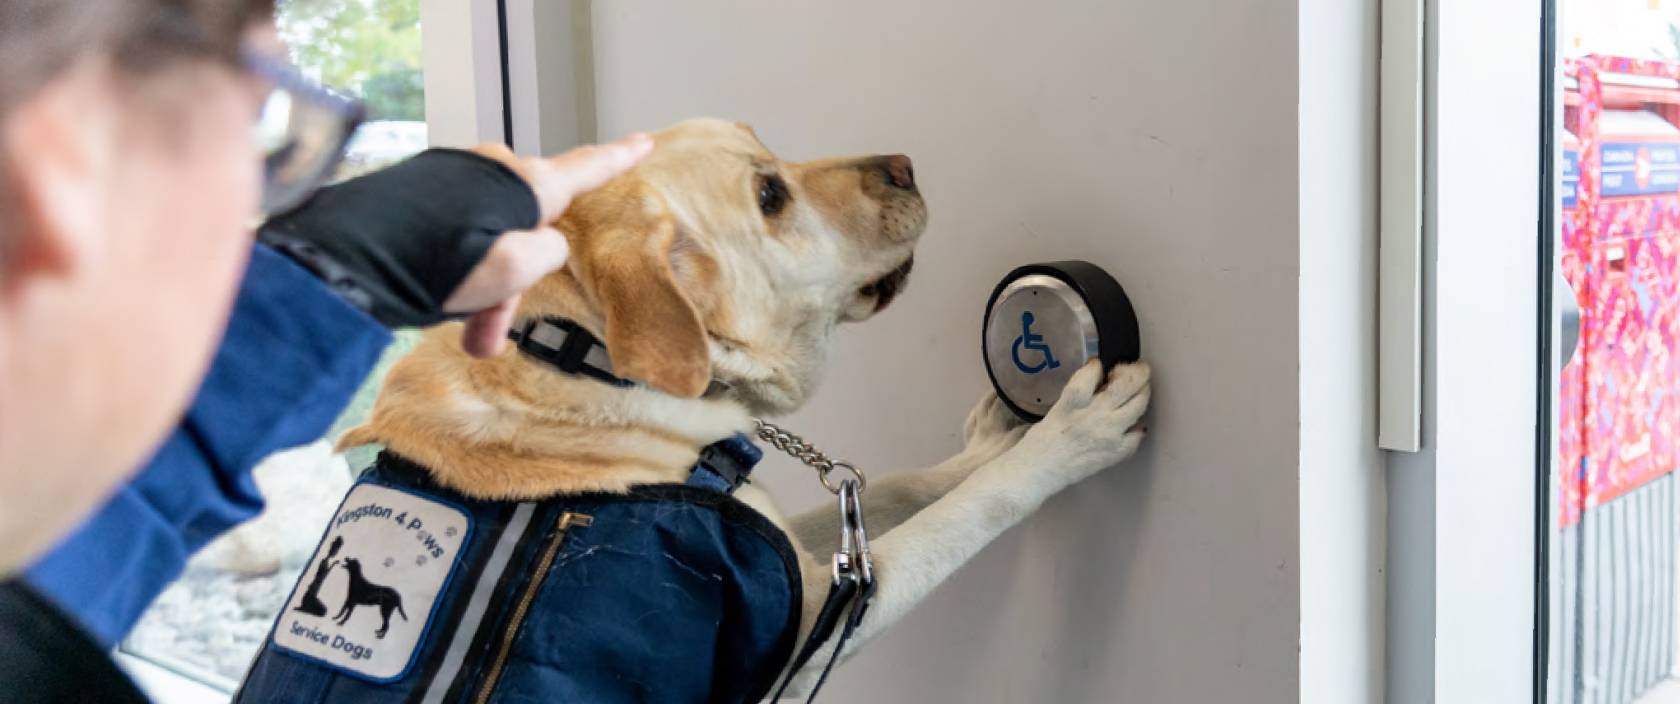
151	349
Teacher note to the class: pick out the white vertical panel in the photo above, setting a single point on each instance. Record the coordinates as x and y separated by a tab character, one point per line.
1482	230
461	53
1343	490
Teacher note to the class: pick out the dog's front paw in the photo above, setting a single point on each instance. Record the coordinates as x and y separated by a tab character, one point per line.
1092	426
991	427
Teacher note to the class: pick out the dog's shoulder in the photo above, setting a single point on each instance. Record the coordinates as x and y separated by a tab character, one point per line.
504	428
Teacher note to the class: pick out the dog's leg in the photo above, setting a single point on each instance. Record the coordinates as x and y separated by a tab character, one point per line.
1088	429
990	430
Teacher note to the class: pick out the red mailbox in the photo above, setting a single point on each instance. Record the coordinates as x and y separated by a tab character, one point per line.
1620	396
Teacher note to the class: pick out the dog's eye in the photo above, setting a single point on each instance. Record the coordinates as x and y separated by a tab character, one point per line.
772	195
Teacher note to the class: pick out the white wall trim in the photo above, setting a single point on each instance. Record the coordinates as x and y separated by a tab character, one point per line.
1342	492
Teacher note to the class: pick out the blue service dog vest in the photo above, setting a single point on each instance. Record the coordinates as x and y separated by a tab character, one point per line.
670	593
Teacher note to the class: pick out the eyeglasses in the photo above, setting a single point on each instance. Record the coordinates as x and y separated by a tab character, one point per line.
301	133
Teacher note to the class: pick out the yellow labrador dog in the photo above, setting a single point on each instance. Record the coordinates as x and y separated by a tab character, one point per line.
716	274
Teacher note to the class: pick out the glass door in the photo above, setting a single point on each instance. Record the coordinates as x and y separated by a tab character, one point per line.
1615	427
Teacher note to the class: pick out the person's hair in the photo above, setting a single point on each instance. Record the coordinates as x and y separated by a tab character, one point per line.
39	38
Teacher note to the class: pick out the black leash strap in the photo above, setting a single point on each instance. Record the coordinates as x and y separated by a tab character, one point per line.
833	609
859	606
853	586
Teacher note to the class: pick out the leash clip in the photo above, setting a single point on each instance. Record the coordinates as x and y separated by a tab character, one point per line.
848	599
854	537
852	560
846	561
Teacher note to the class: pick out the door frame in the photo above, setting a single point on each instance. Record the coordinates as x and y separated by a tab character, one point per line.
1464	552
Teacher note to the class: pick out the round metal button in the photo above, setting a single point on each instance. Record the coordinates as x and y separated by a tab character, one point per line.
1044	322
1039	334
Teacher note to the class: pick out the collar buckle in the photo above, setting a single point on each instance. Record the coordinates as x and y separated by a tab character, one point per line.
566	346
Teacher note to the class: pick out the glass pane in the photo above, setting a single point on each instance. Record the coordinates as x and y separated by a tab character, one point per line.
1613	543
209	624
369	49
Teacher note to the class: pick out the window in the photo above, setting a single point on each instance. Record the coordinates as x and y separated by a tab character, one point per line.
370	49
1616	424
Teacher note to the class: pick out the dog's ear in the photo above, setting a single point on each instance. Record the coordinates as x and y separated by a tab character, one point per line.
653	331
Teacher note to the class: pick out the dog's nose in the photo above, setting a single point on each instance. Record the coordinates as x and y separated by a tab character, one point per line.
899	171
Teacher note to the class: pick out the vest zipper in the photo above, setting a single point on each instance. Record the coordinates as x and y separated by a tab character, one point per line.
566	522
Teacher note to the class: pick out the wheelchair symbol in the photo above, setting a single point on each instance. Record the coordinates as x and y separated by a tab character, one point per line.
1033	342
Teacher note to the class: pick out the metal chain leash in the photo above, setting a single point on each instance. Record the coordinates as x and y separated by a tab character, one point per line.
852	568
797	448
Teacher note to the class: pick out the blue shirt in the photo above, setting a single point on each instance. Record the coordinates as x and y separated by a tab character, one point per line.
293	355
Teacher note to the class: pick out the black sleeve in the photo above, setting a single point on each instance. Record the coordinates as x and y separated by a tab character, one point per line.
46	659
397	242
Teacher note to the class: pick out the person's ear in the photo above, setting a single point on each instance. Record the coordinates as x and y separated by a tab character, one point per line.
56	150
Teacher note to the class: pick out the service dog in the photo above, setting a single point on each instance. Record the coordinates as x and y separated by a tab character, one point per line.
716	275
365	593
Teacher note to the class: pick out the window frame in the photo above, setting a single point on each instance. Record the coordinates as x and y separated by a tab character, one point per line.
1466	561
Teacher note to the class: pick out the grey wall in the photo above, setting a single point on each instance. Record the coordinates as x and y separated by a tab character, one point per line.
1164	149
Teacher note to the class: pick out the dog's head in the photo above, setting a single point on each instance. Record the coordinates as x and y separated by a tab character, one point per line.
717	268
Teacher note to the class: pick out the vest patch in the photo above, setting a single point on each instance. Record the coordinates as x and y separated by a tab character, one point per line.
364	603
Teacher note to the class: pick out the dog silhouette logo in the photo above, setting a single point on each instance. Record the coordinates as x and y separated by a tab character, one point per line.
365	593
386	551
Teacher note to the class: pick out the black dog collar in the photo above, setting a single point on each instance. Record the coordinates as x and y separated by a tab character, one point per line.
566	346
570	349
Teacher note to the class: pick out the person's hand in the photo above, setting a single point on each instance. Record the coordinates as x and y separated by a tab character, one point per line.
518	259
447	233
